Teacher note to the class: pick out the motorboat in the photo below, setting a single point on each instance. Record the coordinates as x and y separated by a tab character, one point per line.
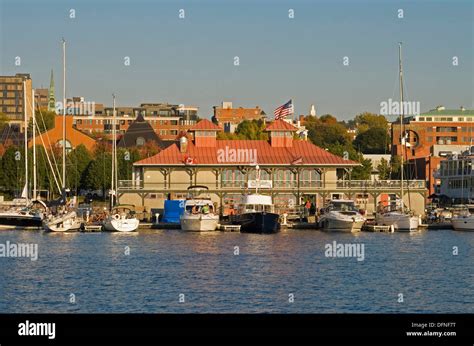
22	218
256	215
199	214
400	220
341	216
463	221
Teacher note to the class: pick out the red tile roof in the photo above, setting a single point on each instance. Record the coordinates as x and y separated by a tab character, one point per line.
280	125
205	124
302	152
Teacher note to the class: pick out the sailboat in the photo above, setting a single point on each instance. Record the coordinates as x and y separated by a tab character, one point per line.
464	219
401	219
66	219
121	218
24	217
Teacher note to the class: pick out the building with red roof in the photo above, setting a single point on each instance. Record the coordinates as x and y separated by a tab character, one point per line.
229	118
295	169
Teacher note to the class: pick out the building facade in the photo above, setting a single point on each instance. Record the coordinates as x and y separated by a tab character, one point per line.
293	170
429	138
15	97
228	118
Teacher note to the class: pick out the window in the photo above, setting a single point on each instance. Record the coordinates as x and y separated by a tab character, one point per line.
460	119
140	141
421	118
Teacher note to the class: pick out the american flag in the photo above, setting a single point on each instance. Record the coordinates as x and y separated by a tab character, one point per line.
284	110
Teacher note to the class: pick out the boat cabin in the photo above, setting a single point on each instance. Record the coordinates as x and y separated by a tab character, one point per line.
256	203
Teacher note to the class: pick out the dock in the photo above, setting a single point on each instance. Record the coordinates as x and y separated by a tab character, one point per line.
92	228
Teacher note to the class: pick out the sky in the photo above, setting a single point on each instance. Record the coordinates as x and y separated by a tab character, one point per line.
191	61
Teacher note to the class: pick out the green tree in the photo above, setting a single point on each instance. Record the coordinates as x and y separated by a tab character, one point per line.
366	120
98	174
384	169
251	129
13	168
364	171
3	121
372	141
125	159
45	120
395	164
78	160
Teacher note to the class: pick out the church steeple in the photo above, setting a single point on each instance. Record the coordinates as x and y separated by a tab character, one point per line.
52	98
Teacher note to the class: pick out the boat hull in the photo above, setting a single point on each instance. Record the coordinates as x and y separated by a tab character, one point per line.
400	222
12	221
121	225
199	223
257	222
463	223
66	223
337	225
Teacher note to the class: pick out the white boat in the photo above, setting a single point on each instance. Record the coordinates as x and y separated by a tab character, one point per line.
121	219
67	222
341	216
463	221
199	214
24	218
400	221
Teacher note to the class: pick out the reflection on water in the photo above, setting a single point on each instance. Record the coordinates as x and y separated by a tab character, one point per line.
233	272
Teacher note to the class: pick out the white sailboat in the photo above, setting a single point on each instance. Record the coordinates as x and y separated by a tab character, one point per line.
66	219
402	219
341	216
199	214
121	218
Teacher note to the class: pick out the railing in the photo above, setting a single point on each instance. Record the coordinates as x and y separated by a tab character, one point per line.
390	185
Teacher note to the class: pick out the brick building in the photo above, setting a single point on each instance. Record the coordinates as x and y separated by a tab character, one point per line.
229	118
430	137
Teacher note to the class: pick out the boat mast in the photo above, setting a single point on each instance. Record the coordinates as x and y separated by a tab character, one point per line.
34	142
401	109
64	118
25	132
112	183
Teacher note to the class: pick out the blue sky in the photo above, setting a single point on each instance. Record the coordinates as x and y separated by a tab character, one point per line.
191	60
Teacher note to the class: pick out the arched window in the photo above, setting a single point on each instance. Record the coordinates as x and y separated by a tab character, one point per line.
140	141
68	145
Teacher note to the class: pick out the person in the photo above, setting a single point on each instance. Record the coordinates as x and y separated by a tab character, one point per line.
205	209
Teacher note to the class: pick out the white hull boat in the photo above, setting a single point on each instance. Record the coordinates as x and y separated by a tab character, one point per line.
401	222
341	216
463	223
200	222
69	222
121	224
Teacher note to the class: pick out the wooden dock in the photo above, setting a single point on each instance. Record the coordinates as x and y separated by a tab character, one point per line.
92	228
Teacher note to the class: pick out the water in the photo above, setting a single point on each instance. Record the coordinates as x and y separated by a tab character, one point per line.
164	264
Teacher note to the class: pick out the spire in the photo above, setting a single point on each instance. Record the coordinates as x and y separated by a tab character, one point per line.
312	111
52	98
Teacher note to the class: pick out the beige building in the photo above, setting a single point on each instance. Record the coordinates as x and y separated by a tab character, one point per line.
291	171
12	97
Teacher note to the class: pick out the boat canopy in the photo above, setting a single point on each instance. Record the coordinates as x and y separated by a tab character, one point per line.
256	199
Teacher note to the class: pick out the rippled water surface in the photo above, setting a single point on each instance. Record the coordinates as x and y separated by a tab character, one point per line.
162	265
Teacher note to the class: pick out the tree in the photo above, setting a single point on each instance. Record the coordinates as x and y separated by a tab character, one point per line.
384	169
79	160
252	129
3	121
13	168
45	120
362	172
125	158
372	141
395	164
98	174
368	120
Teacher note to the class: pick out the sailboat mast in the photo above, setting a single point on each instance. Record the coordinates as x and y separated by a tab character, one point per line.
64	117
113	187
401	108
25	132
34	142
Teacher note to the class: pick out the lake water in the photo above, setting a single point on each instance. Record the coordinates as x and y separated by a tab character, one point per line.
164	265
